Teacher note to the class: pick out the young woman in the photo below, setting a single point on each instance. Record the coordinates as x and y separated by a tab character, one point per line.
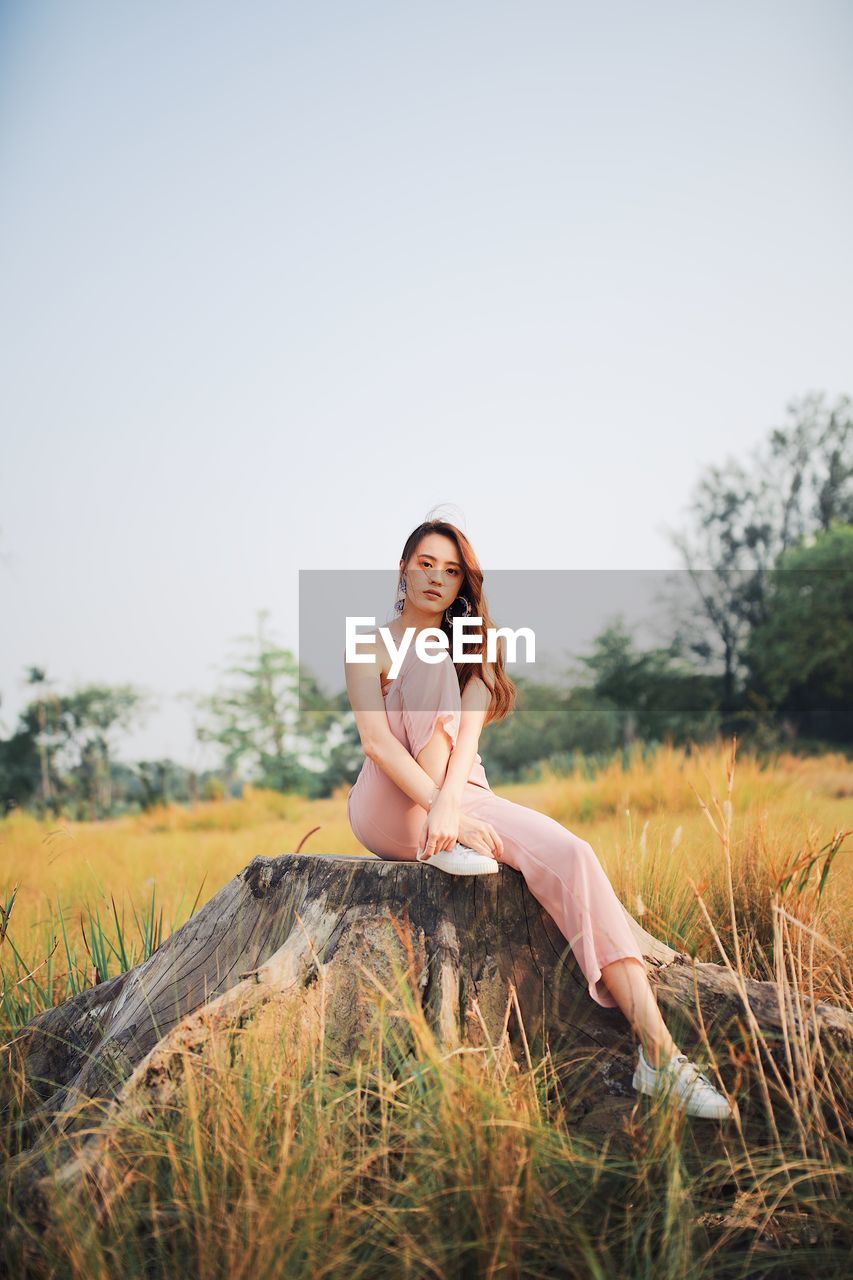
423	793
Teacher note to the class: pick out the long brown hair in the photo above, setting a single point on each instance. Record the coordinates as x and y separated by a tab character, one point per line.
493	675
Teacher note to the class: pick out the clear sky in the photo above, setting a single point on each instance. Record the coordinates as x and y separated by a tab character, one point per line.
277	279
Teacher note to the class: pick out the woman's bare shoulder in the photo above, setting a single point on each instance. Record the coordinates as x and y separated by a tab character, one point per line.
476	693
372	646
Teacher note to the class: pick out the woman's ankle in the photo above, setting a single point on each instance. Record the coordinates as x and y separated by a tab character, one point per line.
657	1051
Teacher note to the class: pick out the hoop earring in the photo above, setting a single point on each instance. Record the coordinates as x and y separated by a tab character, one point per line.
462	613
400	602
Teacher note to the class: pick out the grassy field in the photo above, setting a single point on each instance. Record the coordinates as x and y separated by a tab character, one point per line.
454	1165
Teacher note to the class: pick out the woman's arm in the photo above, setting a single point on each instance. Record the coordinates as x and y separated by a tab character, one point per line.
445	823
377	740
476	699
394	760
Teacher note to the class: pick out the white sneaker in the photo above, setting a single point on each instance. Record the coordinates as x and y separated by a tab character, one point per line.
692	1090
461	861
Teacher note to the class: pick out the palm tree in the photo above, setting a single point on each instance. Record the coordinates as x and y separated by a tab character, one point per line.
37	676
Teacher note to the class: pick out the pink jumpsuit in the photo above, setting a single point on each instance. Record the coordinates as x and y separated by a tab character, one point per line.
560	869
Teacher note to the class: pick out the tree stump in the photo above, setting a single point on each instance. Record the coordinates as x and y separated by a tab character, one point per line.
256	950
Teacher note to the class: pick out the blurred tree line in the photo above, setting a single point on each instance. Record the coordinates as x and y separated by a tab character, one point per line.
763	647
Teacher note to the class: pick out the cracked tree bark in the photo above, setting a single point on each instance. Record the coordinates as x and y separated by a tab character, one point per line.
254	952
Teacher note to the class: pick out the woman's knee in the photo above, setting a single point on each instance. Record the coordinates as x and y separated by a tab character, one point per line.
574	846
577	851
585	853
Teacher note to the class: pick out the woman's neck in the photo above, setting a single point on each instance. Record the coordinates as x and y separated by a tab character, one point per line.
417	620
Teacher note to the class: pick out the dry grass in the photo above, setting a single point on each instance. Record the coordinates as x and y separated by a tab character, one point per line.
413	1162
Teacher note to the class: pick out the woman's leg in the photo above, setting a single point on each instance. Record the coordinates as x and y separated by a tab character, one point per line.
633	993
382	816
564	874
626	981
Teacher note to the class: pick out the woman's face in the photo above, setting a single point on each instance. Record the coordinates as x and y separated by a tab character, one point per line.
434	567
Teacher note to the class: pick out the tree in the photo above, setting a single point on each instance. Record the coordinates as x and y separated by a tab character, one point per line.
807	469
800	480
37	677
255	718
656	696
19	770
541	726
91	716
801	656
77	730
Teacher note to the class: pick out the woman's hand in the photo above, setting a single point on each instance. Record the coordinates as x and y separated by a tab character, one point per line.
479	835
445	825
441	826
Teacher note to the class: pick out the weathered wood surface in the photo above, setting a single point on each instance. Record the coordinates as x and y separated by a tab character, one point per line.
260	945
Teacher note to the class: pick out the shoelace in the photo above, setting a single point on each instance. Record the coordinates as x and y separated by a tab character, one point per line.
692	1071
